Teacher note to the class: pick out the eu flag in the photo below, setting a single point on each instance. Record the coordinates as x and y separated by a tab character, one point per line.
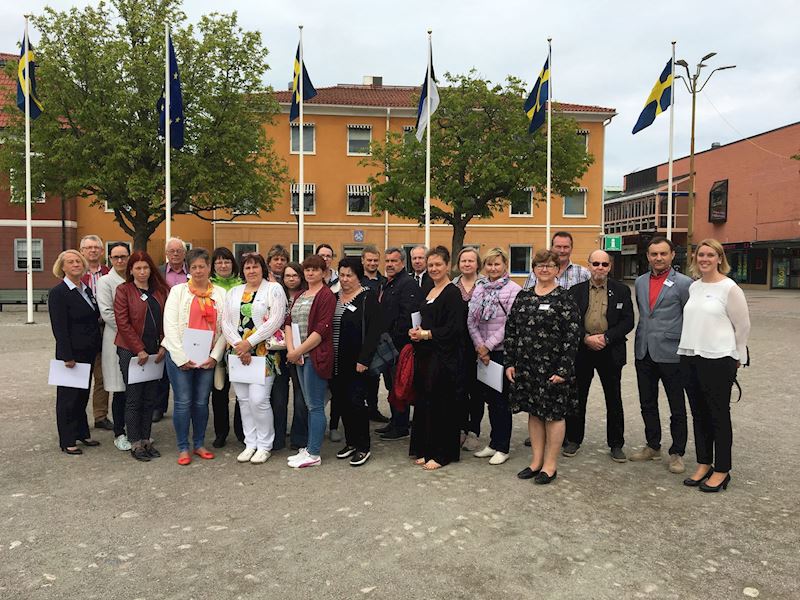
308	87
175	104
536	104
658	101
26	82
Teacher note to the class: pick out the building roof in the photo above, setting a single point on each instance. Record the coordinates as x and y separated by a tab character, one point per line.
7	84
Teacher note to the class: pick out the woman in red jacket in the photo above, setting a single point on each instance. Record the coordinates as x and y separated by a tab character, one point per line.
139	310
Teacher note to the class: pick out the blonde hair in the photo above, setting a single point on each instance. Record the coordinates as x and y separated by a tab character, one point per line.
723	267
58	266
466	249
495	253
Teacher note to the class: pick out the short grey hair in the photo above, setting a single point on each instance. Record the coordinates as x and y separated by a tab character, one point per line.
92	237
396	250
425	248
174	239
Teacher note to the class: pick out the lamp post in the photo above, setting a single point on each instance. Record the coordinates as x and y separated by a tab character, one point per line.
692	86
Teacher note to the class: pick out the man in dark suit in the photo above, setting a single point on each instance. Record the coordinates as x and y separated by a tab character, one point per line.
419	269
373	280
606	314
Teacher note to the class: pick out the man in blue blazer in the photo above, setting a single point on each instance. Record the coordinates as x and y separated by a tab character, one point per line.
661	294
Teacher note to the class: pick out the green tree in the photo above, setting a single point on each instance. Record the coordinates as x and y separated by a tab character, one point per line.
482	157
100	74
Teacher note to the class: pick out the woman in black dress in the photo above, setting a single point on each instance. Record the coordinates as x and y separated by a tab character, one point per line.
542	337
435	434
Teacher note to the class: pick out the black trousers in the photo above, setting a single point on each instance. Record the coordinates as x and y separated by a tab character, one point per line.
349	399
708	385
140	401
220	404
648	374
499	411
586	363
118	412
373	385
279	399
71	415
162	400
472	399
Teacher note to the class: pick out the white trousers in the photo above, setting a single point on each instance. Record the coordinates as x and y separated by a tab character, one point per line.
257	421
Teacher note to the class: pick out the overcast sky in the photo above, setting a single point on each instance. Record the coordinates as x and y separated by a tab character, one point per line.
606	53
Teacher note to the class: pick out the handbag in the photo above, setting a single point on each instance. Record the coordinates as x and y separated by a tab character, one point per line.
276	341
385	352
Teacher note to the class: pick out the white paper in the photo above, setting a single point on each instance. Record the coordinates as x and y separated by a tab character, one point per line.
255	372
149	371
76	377
197	345
491	374
416	320
296	339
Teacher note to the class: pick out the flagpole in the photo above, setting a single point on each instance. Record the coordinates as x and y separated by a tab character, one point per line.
428	148
671	130
28	217
301	196
167	141
549	135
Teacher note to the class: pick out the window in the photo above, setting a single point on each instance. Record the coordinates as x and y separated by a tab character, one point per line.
408	248
37	198
125	207
520	259
21	254
245	207
352	250
718	202
128	245
521	203
358	199
575	204
309	250
584	133
309	138
309	199
240	248
358	139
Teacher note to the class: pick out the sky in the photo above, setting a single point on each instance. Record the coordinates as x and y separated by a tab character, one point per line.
606	53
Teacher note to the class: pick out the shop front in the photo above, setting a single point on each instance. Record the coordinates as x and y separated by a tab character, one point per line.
785	272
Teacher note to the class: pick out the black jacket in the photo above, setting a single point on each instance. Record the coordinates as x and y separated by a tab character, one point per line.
76	326
399	296
373	284
359	333
619	315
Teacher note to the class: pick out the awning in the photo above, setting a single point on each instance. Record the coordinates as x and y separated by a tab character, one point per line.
310	188
359	126
358	189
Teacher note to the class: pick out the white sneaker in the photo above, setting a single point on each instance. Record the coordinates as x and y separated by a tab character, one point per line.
309	461
246	455
487	452
260	457
499	458
302	453
121	442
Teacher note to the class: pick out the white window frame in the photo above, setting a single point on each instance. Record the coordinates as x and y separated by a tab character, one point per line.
514	215
564	214
585	134
527	247
359	190
20	246
351	128
111	210
238	254
295	127
295	250
354	250
311	188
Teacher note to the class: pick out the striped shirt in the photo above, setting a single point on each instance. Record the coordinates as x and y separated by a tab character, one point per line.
572	275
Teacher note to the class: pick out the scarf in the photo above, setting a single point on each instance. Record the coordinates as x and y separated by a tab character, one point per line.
487	310
206	303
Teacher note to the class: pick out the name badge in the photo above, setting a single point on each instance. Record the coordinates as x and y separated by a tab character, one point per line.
619	305
544	307
351	308
143	297
669	283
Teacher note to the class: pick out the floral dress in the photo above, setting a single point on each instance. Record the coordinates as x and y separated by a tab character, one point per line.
247	328
541	340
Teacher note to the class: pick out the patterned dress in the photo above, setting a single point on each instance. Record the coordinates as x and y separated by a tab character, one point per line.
542	338
247	328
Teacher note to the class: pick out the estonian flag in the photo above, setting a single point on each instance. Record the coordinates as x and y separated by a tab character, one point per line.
175	104
659	99
308	87
25	83
536	104
422	109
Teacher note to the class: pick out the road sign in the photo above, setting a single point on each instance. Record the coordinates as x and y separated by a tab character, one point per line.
612	243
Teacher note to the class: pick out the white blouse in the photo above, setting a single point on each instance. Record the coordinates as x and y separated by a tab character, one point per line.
716	321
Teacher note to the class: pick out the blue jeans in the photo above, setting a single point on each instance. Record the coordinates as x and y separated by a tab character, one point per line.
299	432
314	388
190	391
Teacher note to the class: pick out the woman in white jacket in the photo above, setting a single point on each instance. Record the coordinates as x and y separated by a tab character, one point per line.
254	312
196	304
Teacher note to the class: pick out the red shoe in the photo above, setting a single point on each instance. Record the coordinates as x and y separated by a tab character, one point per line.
184	459
204	454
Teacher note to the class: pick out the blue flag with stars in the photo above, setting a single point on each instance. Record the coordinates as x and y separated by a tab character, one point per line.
658	101
176	128
536	104
26	82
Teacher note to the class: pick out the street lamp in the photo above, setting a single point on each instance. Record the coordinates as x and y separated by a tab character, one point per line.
691	83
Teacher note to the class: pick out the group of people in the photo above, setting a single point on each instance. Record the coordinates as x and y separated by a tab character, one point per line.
326	330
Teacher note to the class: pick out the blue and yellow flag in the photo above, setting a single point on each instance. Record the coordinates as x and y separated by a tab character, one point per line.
536	104
659	99
176	126
26	82
308	87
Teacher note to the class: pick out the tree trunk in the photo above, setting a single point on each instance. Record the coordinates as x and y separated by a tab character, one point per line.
459	232
140	238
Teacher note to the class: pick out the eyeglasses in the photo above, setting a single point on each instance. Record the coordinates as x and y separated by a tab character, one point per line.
546	267
123	257
223	261
600	264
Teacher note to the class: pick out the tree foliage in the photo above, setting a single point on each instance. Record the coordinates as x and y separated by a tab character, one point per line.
100	74
482	157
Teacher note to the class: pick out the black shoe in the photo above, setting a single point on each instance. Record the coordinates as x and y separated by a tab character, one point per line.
543	478
157	415
394	434
528	442
89	442
570	449
294	447
359	458
375	415
72	451
704	487
384	429
346	452
689	482
528	473
104	423
617	455
219	442
152	452
140	454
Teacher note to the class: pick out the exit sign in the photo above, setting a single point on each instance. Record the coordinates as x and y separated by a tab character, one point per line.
612	243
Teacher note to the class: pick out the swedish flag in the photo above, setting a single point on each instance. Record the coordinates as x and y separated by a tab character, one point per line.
308	87
26	82
659	99
536	104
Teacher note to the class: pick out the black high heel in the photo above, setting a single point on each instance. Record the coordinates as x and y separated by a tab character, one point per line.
72	451
696	482
704	487
89	442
